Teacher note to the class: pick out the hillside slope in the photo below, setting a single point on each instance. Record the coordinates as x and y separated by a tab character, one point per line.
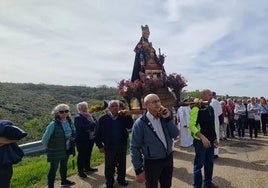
22	103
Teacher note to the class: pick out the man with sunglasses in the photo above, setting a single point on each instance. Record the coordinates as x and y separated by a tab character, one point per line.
151	145
57	139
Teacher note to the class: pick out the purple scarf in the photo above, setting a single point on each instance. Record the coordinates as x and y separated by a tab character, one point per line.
88	116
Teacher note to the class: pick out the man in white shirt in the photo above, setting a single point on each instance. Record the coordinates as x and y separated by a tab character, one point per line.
183	115
217	112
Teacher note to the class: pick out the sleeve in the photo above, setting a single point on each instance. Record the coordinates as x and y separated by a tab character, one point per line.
128	122
79	125
48	132
193	118
172	129
135	147
98	133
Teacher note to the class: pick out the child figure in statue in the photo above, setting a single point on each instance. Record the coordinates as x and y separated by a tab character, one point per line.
144	53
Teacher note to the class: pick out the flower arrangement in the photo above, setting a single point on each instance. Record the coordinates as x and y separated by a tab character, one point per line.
137	89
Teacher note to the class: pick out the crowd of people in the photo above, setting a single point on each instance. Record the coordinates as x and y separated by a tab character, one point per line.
240	114
110	134
202	123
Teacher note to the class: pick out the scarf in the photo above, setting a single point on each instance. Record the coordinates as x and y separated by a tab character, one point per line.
88	116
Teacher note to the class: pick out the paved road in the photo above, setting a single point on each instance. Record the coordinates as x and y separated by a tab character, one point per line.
242	164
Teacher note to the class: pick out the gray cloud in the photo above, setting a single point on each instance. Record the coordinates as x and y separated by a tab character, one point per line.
213	44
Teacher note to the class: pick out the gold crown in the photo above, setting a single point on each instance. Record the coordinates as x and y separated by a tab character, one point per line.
144	28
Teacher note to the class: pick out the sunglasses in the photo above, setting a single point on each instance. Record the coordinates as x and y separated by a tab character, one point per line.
64	111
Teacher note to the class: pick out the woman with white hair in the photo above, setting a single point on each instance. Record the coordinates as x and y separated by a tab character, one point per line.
84	125
58	139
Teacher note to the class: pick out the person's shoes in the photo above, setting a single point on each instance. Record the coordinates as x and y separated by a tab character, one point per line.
91	170
216	156
123	183
67	183
212	185
82	175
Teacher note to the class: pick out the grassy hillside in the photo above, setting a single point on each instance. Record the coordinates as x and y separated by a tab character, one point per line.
29	105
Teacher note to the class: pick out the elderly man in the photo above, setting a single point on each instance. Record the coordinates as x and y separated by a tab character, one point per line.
151	145
111	137
202	126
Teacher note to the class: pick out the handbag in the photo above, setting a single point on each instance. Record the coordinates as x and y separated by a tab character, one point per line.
225	120
257	117
236	117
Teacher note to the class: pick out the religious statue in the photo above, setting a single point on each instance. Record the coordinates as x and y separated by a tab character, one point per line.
147	64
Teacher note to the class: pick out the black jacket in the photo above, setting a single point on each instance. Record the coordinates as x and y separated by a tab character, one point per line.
103	131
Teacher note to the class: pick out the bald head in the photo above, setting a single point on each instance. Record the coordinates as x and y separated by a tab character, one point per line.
206	95
152	103
149	97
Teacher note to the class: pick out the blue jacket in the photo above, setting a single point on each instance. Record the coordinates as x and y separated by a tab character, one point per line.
145	144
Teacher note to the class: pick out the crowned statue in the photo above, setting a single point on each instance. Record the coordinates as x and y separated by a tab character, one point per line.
149	76
147	64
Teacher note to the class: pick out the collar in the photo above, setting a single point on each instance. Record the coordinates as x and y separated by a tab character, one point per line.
112	116
150	116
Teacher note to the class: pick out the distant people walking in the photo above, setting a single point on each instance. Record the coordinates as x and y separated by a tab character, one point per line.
85	124
58	140
264	115
253	112
245	103
217	113
224	122
231	121
202	126
183	116
151	146
240	112
111	137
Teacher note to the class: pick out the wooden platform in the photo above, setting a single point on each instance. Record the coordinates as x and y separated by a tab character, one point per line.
166	97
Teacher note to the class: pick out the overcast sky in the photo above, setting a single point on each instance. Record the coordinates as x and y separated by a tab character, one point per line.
220	45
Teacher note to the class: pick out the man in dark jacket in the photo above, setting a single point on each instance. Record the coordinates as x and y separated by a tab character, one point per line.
111	137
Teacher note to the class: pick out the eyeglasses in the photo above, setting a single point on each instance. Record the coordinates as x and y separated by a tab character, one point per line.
64	111
155	102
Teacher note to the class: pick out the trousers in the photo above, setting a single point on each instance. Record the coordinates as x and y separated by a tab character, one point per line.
159	170
204	157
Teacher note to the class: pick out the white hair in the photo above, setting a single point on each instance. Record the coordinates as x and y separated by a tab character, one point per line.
113	101
59	107
148	97
81	105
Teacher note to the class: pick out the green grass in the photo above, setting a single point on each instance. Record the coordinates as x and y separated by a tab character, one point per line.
31	172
